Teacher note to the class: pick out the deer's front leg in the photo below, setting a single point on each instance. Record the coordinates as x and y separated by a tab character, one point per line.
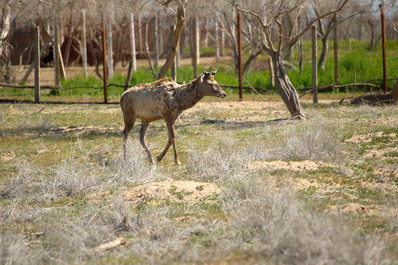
172	139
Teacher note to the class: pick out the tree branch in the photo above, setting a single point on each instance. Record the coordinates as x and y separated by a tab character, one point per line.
293	40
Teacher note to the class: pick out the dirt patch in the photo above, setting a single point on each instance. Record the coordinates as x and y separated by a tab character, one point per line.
380	186
290	165
155	192
177	191
366	138
359	209
81	130
356	208
387	152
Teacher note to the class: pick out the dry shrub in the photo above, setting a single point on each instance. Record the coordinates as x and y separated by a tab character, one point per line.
319	141
14	249
222	161
276	227
135	168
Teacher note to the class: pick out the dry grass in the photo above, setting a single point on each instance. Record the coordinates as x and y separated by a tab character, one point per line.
47	216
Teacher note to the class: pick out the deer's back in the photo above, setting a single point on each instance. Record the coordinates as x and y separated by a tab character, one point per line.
148	101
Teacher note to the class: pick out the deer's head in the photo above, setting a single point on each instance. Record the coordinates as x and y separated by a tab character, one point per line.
209	85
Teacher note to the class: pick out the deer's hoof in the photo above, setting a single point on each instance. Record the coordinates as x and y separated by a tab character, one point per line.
178	162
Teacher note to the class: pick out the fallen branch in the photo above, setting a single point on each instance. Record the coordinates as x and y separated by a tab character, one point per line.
112	244
310	89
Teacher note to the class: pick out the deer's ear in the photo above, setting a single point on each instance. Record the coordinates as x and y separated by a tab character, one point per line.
214	72
201	77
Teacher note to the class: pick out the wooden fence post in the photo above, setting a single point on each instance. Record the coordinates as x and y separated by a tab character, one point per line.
314	66
37	65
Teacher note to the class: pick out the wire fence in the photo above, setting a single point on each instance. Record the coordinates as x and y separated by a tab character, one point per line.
205	44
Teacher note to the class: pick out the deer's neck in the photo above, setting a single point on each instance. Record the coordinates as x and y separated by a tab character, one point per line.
187	96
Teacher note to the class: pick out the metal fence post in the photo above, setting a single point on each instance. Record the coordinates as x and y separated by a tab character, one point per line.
37	65
314	66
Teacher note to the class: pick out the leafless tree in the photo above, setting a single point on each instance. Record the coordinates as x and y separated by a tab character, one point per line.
179	11
327	24
274	42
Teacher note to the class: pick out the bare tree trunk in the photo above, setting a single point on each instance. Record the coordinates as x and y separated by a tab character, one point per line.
156	38
139	37
55	53
222	45
132	44
109	44
217	39
324	53
300	48
196	40
174	43
147	51
84	43
5	29
285	88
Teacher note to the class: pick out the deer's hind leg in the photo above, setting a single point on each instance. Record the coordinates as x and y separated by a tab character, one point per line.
129	121
160	157
143	131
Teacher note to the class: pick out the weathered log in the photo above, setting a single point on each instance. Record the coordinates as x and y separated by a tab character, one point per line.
112	244
373	99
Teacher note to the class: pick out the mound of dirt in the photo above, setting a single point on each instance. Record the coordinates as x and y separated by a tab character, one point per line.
291	165
177	191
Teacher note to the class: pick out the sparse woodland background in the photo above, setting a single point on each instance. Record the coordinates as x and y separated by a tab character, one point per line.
208	41
255	186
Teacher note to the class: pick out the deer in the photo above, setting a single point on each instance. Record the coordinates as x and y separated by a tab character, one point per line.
164	99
